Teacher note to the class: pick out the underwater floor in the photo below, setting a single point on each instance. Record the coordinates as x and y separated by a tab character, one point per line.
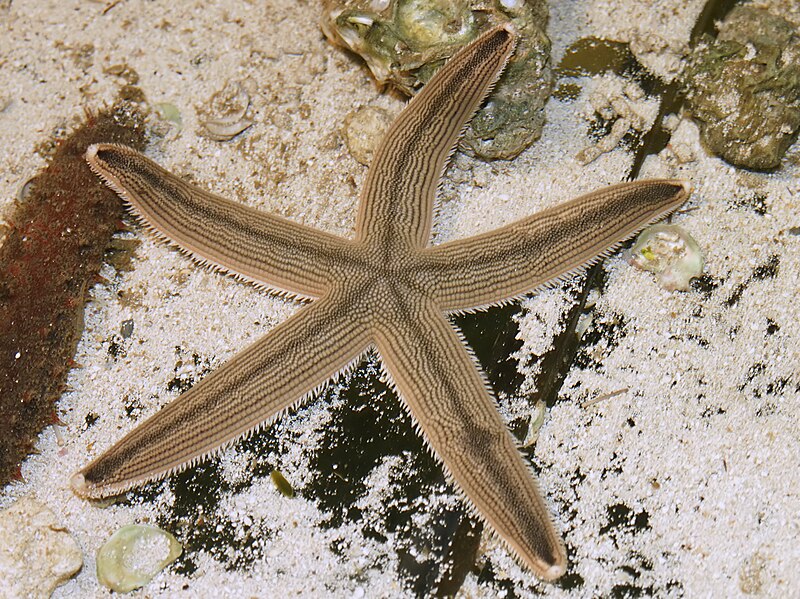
682	480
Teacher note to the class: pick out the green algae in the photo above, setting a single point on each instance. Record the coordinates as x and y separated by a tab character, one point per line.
284	486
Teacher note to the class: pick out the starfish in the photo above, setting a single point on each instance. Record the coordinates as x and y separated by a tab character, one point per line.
386	290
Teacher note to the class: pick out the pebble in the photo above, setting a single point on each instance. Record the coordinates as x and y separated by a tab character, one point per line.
134	555
36	553
364	129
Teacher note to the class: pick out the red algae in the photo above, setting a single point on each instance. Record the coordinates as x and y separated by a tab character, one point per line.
49	258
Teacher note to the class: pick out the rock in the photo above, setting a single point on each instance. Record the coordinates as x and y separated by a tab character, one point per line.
36	554
744	88
404	42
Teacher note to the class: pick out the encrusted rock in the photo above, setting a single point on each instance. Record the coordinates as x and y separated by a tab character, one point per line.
134	555
36	554
744	88
404	42
624	104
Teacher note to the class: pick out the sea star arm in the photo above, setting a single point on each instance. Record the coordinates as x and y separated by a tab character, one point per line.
539	250
448	397
257	385
399	193
263	248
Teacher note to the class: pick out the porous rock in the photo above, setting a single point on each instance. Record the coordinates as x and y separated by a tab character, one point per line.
36	554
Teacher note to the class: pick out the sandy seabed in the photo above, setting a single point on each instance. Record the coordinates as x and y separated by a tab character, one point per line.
685	485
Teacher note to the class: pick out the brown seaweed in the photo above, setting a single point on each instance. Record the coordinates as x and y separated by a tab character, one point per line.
50	256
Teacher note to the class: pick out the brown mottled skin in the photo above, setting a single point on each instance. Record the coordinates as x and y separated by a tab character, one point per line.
49	257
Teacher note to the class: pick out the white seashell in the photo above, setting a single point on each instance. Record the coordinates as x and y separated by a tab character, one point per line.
379	5
670	252
535	423
364	129
235	101
219	130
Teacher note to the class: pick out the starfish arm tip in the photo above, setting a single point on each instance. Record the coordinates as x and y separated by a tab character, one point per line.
554	571
78	483
96	164
91	152
510	27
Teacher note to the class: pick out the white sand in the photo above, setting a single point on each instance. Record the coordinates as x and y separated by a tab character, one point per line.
706	452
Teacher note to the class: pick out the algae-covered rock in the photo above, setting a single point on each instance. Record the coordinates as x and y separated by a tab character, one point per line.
36	554
404	42
134	555
744	88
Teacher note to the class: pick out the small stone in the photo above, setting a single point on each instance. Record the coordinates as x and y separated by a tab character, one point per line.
683	153
364	129
751	574
36	554
134	555
126	329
